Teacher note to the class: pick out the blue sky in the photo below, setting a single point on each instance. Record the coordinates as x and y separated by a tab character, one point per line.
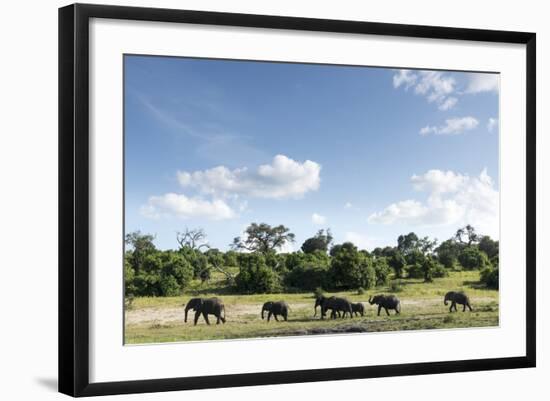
369	152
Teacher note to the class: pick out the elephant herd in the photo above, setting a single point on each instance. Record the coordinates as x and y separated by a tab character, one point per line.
338	307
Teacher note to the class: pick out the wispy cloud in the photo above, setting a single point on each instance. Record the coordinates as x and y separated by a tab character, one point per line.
171	121
492	123
317	219
452	126
181	206
436	86
441	88
483	83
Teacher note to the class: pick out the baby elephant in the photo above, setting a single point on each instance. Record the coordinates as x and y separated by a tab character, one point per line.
276	309
457	298
358	309
386	302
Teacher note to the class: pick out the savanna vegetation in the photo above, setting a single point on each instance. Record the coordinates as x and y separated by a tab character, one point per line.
418	270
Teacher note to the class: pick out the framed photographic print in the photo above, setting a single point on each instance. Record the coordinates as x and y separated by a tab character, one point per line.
250	199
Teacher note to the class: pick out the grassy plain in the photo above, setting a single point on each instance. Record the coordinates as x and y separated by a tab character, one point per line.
156	320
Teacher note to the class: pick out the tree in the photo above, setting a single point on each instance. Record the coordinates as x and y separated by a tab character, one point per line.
191	242
254	275
490	247
407	243
467	235
397	262
350	269
472	258
142	245
320	242
426	245
194	239
163	273
382	270
215	258
489	277
230	258
447	253
263	238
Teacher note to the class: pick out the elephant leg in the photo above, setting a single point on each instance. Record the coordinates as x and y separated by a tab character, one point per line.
218	318
379	309
387	311
269	316
197	314
285	316
464	308
469	307
275	316
205	315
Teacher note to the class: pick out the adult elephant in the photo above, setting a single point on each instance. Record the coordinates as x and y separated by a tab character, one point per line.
457	298
206	306
279	308
386	302
334	304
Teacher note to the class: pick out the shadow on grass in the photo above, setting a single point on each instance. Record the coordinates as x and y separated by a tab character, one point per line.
475	285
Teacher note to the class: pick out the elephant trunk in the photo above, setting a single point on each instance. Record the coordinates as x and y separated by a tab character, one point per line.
263	309
187	310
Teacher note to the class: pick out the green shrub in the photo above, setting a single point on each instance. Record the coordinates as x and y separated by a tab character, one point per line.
489	277
395	286
472	258
415	271
382	271
307	278
163	273
439	271
255	276
350	269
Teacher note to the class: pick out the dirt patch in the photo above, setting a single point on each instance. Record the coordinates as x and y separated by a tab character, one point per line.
236	312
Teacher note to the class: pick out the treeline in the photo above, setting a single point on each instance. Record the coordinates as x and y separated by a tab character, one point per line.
253	264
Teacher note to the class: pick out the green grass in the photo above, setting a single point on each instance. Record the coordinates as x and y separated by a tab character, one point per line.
152	320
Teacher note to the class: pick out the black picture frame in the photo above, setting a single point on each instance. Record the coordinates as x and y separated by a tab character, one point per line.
74	198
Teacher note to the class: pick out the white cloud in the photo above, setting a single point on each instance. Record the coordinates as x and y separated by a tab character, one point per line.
492	124
448	103
283	178
453	199
436	86
179	205
318	219
361	241
483	83
404	77
453	126
348	205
